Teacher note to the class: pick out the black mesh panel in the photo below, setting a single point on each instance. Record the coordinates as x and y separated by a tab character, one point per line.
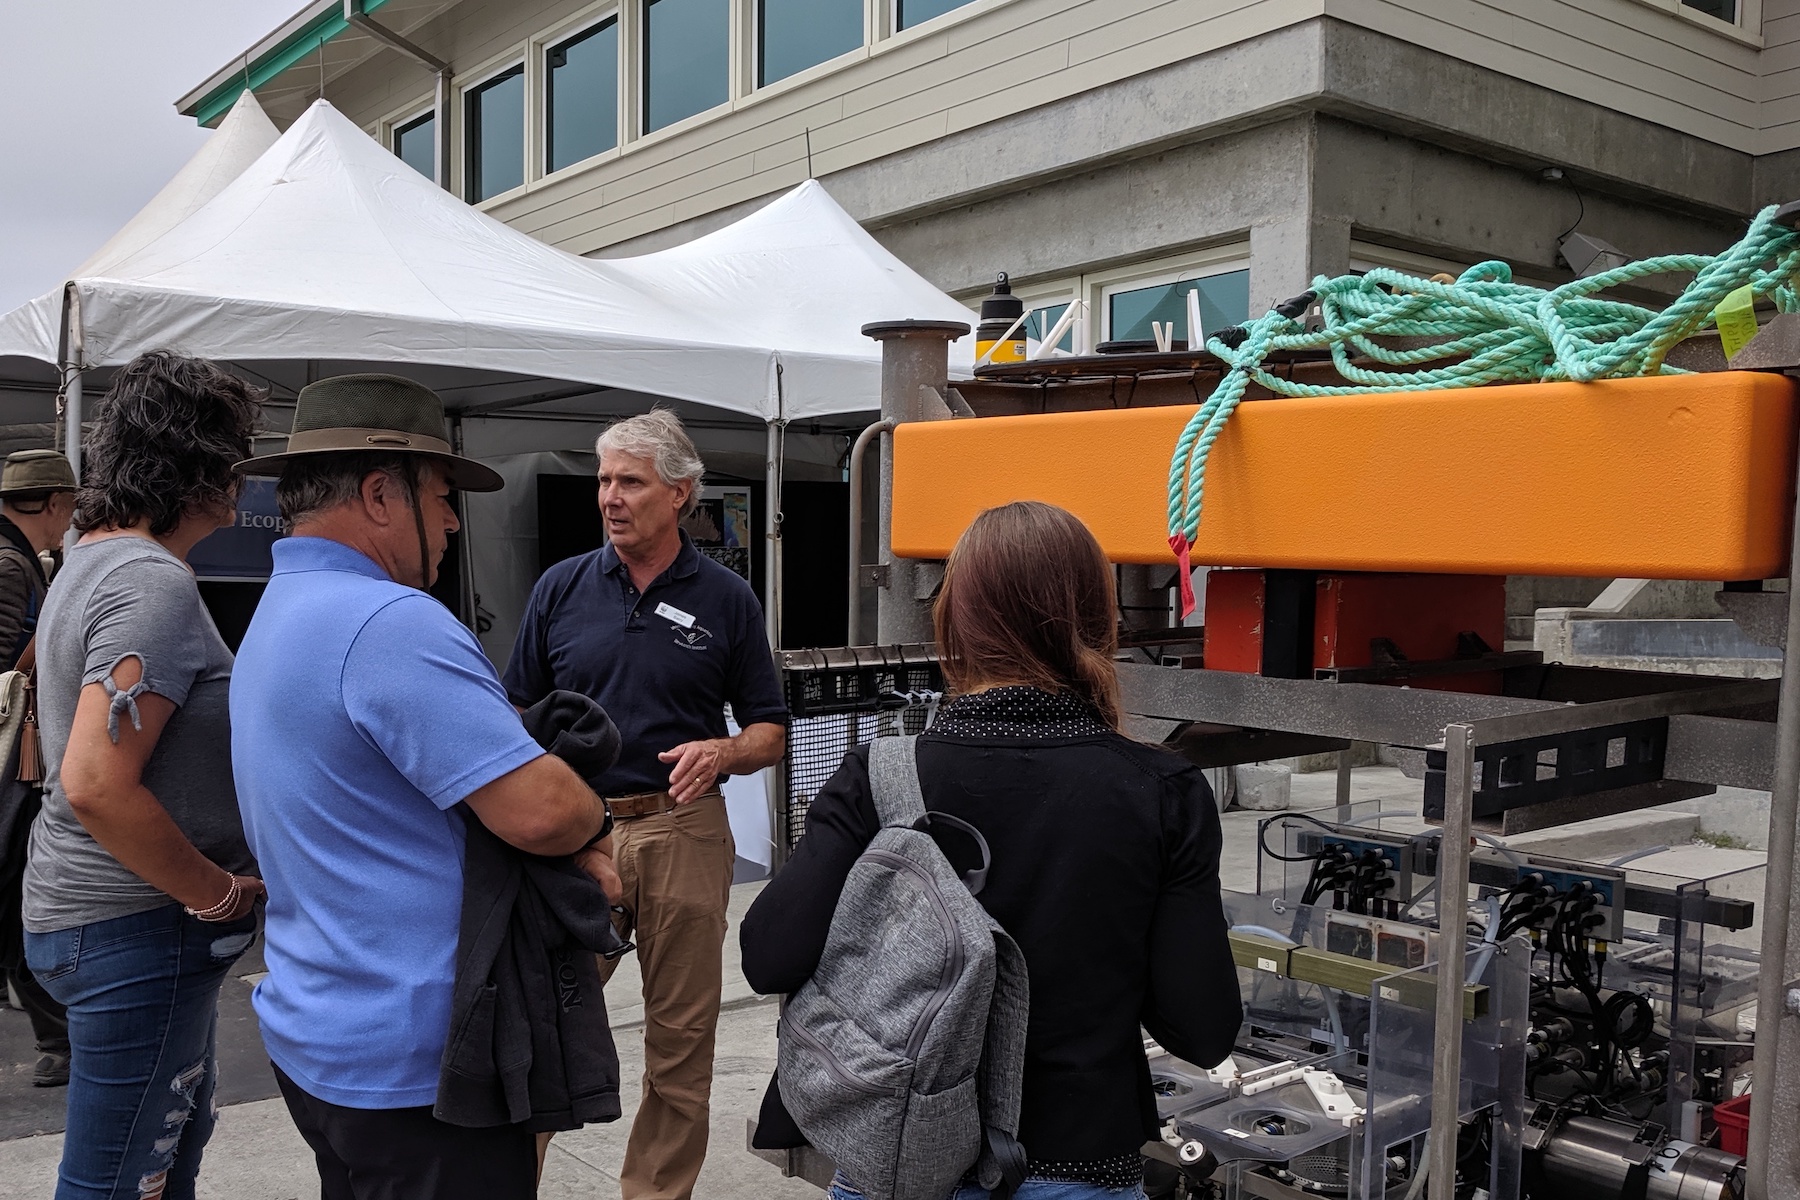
835	708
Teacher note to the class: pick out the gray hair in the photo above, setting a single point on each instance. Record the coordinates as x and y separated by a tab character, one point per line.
658	437
319	483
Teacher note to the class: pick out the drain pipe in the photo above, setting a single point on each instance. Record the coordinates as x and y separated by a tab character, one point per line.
863	439
363	23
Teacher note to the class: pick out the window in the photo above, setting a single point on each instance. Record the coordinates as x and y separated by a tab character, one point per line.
415	144
908	13
1725	10
687	59
793	35
494	158
1224	301
581	96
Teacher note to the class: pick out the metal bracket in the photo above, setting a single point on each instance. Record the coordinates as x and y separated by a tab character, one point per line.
875	575
355	17
1775	348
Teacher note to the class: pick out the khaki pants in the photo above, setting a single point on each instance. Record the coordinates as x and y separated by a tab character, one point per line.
676	867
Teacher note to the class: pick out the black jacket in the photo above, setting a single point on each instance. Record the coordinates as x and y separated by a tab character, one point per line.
22	588
529	1039
1106	873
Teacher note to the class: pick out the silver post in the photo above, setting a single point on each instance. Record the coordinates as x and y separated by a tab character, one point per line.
1773	1156
915	355
1453	897
1343	785
853	634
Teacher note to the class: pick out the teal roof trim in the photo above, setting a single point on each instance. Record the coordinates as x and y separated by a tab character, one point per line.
261	70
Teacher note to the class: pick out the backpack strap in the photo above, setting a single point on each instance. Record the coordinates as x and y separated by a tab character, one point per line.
894	782
900	802
1002	1165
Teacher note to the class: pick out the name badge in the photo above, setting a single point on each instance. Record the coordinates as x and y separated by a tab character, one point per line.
669	611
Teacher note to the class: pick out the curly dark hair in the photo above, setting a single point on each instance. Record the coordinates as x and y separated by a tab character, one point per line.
164	438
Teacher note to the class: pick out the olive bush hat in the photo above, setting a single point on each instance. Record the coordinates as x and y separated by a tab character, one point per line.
36	471
381	414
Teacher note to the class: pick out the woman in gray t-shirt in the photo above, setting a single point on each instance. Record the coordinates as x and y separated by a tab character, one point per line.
140	892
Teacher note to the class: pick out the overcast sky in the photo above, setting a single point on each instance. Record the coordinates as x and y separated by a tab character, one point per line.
88	128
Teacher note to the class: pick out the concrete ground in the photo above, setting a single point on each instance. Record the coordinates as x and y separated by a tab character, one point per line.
256	1155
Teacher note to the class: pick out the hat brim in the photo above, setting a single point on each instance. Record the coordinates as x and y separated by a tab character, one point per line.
463	474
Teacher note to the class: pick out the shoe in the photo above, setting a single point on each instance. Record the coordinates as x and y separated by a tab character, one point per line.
52	1070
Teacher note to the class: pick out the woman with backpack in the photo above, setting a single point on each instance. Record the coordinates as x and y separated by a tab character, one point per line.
1104	857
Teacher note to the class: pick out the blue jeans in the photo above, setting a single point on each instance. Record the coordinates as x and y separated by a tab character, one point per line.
1031	1189
142	993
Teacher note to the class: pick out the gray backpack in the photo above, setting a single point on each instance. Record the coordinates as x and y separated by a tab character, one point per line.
901	1058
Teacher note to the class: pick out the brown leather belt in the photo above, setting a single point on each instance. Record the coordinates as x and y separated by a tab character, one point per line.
641	804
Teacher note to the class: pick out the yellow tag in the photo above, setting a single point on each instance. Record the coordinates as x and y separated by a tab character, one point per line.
1736	319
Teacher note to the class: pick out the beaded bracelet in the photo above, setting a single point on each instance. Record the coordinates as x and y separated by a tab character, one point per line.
224	908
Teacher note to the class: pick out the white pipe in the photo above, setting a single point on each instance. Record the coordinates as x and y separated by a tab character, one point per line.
1048	345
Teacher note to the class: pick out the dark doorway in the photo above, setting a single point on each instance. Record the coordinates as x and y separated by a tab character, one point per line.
815	547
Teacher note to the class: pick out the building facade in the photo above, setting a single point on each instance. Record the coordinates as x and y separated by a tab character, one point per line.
1114	152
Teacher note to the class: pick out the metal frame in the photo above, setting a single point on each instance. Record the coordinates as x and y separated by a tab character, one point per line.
1459	724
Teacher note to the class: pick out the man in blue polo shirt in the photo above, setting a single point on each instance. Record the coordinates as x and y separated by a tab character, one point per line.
362	713
663	638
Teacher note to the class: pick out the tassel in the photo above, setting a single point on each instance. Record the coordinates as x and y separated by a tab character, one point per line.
31	751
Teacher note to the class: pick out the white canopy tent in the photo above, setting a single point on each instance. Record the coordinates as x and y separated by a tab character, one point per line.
324	253
329	247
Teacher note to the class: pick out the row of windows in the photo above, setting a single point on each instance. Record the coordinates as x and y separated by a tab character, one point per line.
685	69
1127	303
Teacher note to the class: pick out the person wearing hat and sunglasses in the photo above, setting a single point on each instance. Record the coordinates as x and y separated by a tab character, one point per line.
37	503
362	713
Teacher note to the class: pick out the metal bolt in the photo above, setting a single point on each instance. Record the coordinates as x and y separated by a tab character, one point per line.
1793	1000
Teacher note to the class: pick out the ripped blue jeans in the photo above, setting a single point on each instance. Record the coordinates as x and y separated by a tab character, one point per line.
142	993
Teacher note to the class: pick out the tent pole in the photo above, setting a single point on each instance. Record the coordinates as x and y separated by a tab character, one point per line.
74	353
772	532
465	552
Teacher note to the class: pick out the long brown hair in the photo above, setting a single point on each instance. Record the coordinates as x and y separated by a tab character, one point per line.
1028	598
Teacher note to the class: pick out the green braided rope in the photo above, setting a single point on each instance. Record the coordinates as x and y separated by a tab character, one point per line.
1484	329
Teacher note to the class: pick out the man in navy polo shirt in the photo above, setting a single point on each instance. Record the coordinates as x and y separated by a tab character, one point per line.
663	638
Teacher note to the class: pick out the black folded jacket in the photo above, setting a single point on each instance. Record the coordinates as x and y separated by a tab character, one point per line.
529	1041
576	730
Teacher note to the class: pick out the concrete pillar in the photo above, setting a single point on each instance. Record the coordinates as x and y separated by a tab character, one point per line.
915	356
1286	254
